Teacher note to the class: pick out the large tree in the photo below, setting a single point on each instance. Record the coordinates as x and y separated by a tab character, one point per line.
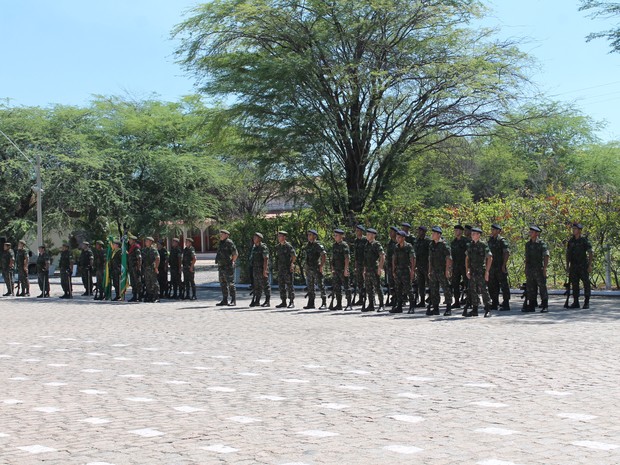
344	92
607	10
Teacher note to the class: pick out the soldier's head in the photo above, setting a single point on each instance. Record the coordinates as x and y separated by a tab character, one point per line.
422	232
131	239
400	236
338	235
577	227
467	230
224	234
458	231
148	241
257	238
189	242
436	233
312	235
85	245
360	230
175	242
41	249
495	230
392	232
99	245
21	244
282	235
534	232
65	246
7	245
475	234
116	245
406	227
371	234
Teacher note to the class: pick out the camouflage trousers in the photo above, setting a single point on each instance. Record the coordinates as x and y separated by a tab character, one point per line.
373	285
162	278
44	281
261	284
576	274
421	276
285	285
175	280
136	281
188	281
402	285
151	283
99	272
226	275
359	279
478	288
438	280
535	282
498	280
315	279
65	281
7	274
22	277
87	279
341	281
459	276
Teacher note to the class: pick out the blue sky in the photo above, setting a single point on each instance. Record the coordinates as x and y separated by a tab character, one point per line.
66	51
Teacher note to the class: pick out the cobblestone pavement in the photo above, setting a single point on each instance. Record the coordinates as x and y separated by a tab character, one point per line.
85	382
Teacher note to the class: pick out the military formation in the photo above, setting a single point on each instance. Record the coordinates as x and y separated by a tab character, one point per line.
470	272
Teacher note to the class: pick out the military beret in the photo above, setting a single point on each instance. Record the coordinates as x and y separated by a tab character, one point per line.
313	231
131	236
476	229
496	226
176	239
283	233
395	229
371	230
149	238
224	231
437	229
577	225
422	228
458	226
361	227
189	239
467	226
99	242
535	228
402	233
406	225
86	243
21	241
257	234
338	231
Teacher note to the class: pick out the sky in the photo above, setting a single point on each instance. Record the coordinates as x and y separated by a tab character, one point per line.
67	51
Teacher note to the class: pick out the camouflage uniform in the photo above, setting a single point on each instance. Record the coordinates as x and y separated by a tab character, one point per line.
438	253
372	254
85	265
577	259
313	253
134	263
458	248
340	252
535	253
401	262
477	253
99	265
261	282
21	262
284	254
43	266
498	280
176	254
162	271
359	246
151	281
65	269
189	254
389	276
8	262
225	251
421	253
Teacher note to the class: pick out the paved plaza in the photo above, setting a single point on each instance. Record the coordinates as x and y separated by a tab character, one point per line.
182	382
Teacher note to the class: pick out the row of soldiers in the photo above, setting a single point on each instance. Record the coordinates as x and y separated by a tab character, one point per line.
468	269
147	268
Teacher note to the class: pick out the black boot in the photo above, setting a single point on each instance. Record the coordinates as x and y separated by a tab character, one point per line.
266	303
323	303
575	303
291	303
544	307
436	310
338	303
448	311
222	302
494	305
282	304
411	306
349	305
233	301
398	307
487	312
474	312
381	306
586	303
505	307
368	304
254	302
310	303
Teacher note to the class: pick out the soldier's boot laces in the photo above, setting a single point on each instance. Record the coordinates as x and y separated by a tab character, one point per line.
586	303
310	303
323	303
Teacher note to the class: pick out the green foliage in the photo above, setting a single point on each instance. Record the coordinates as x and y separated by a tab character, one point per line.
604	9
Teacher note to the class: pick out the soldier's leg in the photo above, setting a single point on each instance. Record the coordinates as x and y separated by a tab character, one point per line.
379	289
494	287
585	277
221	275
505	288
282	285
369	291
544	296
232	290
531	290
421	280
456	285
447	294
433	284
25	284
267	290
192	277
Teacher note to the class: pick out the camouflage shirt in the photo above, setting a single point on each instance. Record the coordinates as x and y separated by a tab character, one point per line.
284	254
477	252
403	255
421	251
189	253
577	251
259	253
438	252
65	260
498	245
314	251
535	253
225	251
8	256
176	253
150	254
458	247
21	258
372	253
340	251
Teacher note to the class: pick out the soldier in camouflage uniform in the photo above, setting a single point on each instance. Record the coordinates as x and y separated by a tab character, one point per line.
422	244
8	262
315	257
458	248
341	257
43	269
374	260
359	246
151	270
188	261
403	270
536	261
99	265
439	272
285	259
85	265
389	255
478	263
579	265
408	238
134	265
115	269
162	269
176	257
22	257
65	268
498	274
260	271
225	259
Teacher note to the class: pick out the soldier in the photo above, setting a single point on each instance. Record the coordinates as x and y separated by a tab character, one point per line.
536	261
8	262
467	231
162	270
403	270
115	268
188	261
21	262
260	270
408	238
579	265
43	267
458	248
498	274
176	257
134	265
85	264
478	263
374	259
65	268
389	255
225	259
99	265
422	244
359	245
285	259
341	257
151	270
315	261
439	272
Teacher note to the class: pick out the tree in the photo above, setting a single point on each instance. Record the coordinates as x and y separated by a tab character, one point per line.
343	93
604	9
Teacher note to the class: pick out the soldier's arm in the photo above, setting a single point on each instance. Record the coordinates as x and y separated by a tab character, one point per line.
293	259
323	259
191	267
545	263
448	266
467	271
381	263
266	266
505	257
347	262
489	260
157	261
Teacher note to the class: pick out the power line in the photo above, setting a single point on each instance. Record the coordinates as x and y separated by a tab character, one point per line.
585	88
